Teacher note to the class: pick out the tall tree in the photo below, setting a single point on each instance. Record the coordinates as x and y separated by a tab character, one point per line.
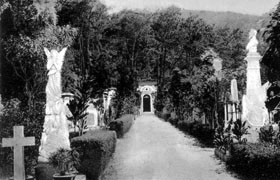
31	31
230	47
272	54
165	28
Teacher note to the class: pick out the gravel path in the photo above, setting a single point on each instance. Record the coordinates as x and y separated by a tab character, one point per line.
155	150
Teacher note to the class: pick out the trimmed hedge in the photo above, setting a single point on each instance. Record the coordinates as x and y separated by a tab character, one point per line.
96	147
73	134
221	154
201	131
158	113
122	124
173	121
164	116
256	159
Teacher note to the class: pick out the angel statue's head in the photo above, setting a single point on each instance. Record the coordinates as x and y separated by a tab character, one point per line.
55	59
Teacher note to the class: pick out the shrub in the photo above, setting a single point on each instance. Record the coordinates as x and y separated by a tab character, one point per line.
266	134
129	105
257	159
222	139
173	121
64	161
158	114
202	132
165	116
122	125
270	134
239	129
96	147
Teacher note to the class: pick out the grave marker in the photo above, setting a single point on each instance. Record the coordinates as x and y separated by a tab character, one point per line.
18	142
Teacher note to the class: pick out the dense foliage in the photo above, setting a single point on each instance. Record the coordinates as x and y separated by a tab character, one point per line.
272	53
257	160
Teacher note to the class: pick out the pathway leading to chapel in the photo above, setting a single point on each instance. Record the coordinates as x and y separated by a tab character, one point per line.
155	150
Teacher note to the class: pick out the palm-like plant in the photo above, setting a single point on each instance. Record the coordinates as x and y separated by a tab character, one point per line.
79	105
222	138
239	129
78	109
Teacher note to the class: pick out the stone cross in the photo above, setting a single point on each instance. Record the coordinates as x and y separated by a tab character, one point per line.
18	142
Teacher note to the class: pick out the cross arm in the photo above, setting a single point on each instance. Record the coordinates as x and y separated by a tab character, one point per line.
26	141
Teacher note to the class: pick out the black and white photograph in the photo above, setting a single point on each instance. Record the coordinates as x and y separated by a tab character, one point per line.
139	89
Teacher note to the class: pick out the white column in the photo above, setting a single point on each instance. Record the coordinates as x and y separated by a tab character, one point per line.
141	107
253	74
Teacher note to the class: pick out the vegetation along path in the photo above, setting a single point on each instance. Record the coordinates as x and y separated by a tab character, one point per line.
155	150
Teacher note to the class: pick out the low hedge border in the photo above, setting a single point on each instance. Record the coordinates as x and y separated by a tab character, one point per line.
222	155
122	124
158	114
164	116
173	121
256	159
202	132
96	147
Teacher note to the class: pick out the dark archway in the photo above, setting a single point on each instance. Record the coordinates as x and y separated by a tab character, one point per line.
146	103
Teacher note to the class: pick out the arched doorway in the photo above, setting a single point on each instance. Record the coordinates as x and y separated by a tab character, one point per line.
146	103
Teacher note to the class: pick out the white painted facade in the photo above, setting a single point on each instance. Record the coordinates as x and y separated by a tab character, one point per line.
149	90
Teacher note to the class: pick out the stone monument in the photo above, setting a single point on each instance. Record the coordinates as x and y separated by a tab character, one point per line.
93	115
108	95
231	107
55	131
253	103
